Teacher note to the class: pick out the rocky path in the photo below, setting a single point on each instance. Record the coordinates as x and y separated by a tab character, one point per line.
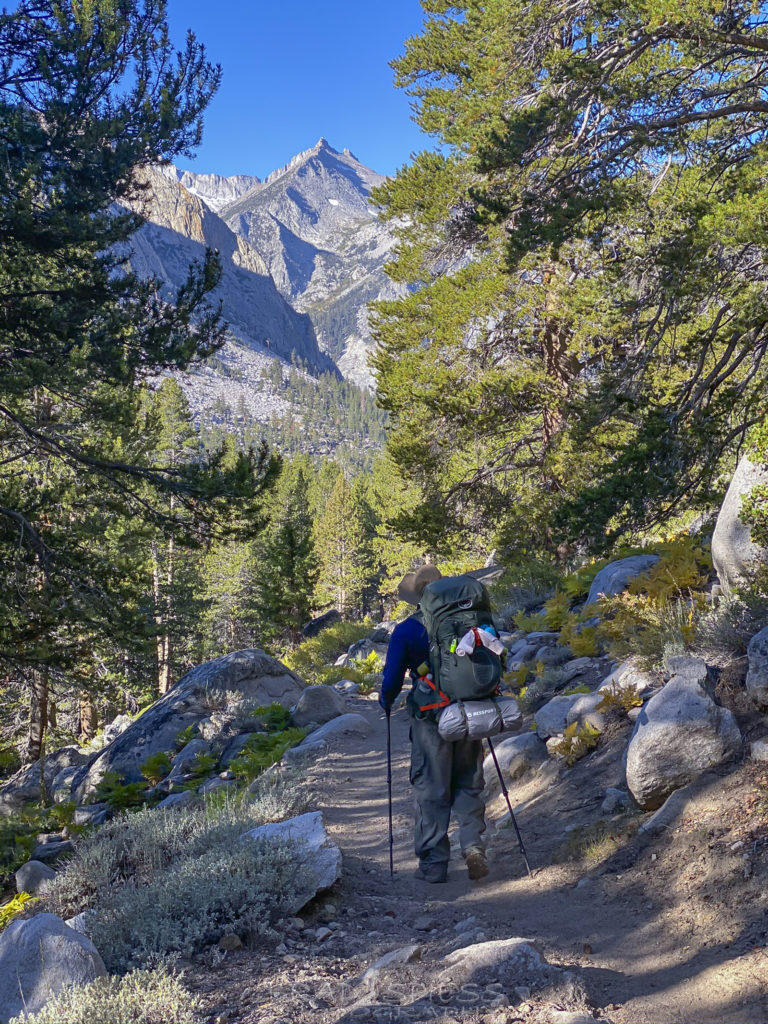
671	929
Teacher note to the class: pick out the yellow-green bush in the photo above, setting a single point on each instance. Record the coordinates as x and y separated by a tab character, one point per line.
648	628
517	678
581	639
577	584
556	610
312	657
577	741
683	568
14	907
141	997
620	698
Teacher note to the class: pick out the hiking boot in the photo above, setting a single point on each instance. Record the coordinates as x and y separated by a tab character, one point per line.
432	873
477	865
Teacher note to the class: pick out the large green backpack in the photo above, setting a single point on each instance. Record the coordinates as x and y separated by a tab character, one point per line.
451	607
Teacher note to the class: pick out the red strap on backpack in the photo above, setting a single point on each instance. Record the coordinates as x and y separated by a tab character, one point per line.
442	703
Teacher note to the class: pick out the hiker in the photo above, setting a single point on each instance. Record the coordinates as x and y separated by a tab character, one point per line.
446	776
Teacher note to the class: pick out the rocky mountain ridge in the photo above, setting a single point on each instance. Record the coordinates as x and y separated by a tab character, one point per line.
179	227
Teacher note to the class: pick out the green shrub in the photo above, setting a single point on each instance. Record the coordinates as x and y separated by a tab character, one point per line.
141	997
577	741
14	907
723	633
186	736
310	657
10	761
18	833
202	766
262	751
582	639
119	794
363	671
274	717
528	623
577	689
156	767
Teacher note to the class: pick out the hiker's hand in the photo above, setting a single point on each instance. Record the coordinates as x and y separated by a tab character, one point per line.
385	704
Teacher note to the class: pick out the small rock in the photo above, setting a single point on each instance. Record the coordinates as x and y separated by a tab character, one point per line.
230	942
314	849
735	847
305	753
183	799
616	576
41	957
91	814
570	1017
614	799
52	851
347	687
758	750
395	958
213	784
322	934
31	876
318	704
466	925
79	923
344	725
425	923
282	948
680	734
552	717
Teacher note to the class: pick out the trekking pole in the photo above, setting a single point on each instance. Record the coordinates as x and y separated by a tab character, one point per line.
389	788
505	791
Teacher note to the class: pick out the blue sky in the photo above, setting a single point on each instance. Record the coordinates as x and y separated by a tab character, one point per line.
296	70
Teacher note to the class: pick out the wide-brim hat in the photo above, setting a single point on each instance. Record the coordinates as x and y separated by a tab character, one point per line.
412	584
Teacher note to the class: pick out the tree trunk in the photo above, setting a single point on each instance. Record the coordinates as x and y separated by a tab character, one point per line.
88	718
38	713
162	607
165	675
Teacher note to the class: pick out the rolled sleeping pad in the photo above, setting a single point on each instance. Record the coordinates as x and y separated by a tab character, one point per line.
478	719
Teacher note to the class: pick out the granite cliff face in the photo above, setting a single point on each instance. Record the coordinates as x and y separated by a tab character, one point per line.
179	228
314	225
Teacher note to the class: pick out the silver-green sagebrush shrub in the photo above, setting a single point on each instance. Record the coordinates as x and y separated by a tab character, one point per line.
188	907
141	997
163	882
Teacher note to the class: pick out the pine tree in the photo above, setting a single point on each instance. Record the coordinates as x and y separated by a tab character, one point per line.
89	94
286	569
344	533
583	344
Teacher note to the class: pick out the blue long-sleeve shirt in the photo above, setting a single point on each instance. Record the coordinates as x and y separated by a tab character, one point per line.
408	648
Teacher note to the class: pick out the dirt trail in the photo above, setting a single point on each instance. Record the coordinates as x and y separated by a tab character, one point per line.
670	930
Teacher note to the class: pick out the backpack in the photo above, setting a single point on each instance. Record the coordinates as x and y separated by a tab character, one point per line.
451	607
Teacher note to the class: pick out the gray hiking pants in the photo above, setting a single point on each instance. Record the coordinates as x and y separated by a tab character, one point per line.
445	777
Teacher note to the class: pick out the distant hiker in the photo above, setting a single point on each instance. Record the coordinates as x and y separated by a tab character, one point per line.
446	776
